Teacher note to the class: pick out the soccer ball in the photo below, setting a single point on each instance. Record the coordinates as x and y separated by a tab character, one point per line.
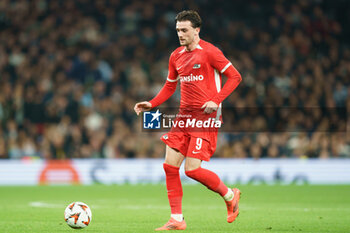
77	215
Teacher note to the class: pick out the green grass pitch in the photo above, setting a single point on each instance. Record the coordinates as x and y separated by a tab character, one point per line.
141	208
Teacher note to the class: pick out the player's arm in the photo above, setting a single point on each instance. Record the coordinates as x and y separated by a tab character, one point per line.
164	94
224	66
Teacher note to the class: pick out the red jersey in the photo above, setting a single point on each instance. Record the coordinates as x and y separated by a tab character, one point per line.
199	72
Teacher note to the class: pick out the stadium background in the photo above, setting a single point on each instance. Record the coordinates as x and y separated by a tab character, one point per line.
71	72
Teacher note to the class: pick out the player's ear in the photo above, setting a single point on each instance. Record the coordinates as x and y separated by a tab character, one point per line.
197	30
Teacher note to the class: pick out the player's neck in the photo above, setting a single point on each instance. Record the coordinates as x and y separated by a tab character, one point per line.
193	45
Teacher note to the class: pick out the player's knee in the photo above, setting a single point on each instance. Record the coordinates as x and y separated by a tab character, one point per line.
191	166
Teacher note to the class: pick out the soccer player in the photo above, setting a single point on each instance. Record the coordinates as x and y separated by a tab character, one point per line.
198	65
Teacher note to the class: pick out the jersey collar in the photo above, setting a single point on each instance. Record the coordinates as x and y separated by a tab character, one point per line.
197	47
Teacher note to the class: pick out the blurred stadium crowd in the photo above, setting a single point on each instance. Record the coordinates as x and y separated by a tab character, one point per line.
71	72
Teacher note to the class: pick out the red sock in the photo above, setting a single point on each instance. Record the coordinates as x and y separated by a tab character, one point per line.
174	188
209	179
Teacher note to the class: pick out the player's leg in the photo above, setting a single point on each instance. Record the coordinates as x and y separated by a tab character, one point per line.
206	177
199	150
173	161
173	157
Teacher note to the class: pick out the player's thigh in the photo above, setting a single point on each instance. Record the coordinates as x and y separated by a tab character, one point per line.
173	157
192	163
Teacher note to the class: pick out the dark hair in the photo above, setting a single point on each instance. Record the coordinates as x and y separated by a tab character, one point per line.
191	16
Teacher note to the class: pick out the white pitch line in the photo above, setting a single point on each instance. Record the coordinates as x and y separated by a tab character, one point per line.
45	205
40	204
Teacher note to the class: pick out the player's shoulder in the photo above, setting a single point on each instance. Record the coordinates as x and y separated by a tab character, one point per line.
178	51
208	47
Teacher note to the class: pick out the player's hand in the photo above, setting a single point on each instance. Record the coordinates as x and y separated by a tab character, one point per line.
210	107
142	106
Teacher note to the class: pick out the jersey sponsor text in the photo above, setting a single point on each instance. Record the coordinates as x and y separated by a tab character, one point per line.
191	78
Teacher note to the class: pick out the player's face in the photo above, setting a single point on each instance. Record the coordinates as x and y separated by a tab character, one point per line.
186	32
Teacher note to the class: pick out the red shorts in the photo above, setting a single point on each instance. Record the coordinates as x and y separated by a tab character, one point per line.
195	145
